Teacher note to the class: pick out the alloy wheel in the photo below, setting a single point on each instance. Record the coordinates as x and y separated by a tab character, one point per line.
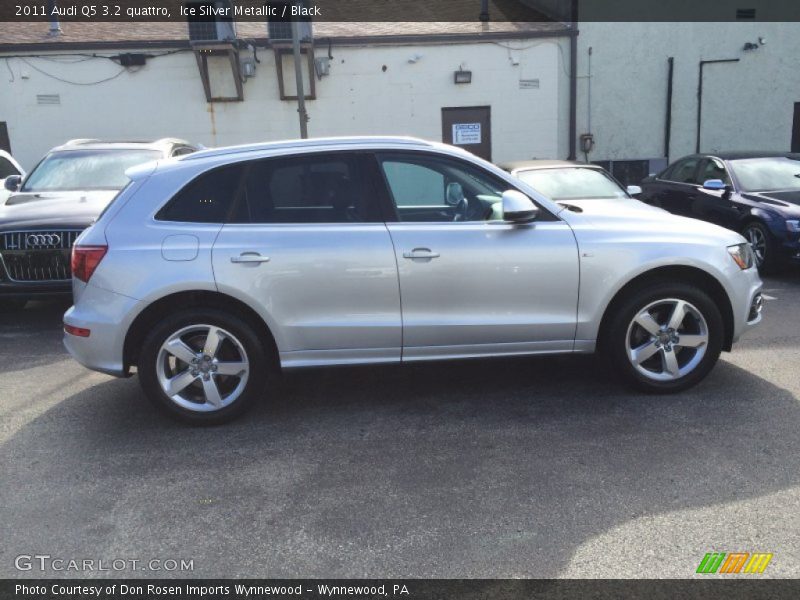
202	368
758	242
667	339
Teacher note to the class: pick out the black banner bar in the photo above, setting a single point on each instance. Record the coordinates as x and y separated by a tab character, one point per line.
712	588
141	11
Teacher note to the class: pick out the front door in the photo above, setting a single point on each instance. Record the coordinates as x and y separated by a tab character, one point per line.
308	246
470	128
470	283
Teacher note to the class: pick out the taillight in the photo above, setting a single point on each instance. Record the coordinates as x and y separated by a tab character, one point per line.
85	260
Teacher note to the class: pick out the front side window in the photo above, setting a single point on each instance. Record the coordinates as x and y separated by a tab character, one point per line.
206	199
79	170
306	189
767	174
713	168
683	171
433	189
572	183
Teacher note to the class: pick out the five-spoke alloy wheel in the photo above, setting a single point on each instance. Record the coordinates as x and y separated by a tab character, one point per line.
204	366
664	337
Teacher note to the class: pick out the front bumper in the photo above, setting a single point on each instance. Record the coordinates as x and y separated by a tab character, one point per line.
745	294
107	315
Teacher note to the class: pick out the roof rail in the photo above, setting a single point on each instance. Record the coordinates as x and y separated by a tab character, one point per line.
79	141
310	143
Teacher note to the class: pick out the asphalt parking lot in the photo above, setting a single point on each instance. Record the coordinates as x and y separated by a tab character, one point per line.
502	468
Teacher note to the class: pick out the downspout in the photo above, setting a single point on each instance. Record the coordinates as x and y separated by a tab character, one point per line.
573	82
573	79
668	118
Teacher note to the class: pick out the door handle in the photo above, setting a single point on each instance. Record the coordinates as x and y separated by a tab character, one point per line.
249	257
421	253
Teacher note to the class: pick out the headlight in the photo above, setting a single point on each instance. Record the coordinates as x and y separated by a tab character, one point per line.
742	255
793	225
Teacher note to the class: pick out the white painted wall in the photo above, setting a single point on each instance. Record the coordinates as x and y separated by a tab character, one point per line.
746	105
165	98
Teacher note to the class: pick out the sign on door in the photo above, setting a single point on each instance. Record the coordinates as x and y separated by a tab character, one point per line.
466	133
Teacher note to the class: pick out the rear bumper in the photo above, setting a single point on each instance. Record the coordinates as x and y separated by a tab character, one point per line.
107	316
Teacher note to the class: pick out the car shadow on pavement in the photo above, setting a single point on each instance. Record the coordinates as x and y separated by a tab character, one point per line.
36	326
474	469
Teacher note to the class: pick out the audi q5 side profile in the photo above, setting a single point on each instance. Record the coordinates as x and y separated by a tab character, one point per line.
211	272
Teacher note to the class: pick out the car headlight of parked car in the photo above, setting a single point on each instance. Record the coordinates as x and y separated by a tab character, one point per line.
793	225
742	254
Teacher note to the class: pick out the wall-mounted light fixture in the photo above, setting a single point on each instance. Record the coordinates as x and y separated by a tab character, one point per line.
461	76
750	46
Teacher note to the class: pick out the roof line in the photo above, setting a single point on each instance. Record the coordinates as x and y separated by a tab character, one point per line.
308	143
564	31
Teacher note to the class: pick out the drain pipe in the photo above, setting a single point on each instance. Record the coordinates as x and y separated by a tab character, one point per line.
573	92
484	16
573	80
668	118
55	26
703	63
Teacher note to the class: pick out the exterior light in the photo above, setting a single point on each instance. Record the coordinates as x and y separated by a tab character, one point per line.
462	76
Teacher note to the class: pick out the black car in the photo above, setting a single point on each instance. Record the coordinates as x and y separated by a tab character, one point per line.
754	193
55	202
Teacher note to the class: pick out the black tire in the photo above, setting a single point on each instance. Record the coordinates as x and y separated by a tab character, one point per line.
259	360
769	262
615	338
12	304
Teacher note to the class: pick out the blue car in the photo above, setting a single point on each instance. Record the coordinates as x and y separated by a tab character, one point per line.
754	193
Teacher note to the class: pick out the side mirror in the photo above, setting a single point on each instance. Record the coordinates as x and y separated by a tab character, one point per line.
518	208
714	184
12	182
634	190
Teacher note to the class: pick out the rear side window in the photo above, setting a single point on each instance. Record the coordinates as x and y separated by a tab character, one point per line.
207	199
306	189
7	168
683	171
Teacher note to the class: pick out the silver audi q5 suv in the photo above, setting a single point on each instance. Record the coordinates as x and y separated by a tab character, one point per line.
210	272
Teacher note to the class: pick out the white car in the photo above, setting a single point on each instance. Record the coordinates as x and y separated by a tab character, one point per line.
210	271
8	168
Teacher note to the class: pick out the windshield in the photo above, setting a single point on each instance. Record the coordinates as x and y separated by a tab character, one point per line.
762	174
78	170
572	183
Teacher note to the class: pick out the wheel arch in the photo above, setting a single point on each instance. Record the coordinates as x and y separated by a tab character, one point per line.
670	274
192	299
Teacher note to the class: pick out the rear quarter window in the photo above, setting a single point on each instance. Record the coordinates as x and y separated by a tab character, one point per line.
206	199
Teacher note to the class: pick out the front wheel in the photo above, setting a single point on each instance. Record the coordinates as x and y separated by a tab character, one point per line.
763	246
204	366
665	338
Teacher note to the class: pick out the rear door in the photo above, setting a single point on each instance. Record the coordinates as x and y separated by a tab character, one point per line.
679	187
309	246
472	284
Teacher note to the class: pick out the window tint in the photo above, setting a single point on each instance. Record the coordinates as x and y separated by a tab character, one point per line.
307	189
430	188
7	168
207	199
713	169
683	171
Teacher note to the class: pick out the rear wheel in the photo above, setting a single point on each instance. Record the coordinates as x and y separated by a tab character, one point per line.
763	245
665	337
204	366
